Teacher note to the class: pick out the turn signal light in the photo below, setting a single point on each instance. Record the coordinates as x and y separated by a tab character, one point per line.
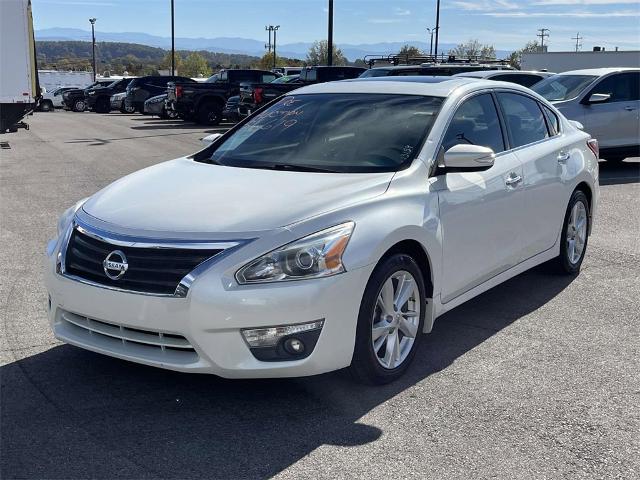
257	95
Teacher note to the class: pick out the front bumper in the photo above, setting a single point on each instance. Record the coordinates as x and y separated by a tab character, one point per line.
209	318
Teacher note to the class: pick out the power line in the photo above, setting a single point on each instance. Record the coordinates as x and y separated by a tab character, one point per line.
543	34
577	38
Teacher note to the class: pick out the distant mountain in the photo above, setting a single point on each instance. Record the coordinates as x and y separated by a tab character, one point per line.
238	45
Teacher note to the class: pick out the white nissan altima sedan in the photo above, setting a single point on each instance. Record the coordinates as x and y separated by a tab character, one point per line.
328	230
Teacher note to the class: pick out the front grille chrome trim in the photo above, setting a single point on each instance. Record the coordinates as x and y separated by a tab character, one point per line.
185	283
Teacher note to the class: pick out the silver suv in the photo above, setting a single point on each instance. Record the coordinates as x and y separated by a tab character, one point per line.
606	101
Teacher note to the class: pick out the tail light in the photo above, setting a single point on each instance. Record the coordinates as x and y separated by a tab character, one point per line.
592	143
257	95
178	91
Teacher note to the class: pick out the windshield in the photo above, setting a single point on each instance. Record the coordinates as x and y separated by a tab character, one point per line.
286	79
562	87
212	79
332	133
375	72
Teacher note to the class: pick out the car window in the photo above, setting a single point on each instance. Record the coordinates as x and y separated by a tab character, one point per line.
558	88
623	87
525	121
553	122
267	78
476	122
376	72
332	132
524	79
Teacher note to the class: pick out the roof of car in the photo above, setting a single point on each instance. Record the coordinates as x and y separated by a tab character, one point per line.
416	85
490	73
600	71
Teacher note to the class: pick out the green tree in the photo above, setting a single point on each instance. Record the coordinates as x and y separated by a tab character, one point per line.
195	65
515	59
165	63
318	54
473	48
410	51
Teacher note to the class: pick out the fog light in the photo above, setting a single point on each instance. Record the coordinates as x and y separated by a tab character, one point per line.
294	346
270	336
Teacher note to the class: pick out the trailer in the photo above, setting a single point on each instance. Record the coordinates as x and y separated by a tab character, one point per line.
19	87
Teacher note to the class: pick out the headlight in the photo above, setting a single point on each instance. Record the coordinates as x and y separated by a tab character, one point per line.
318	255
92	93
67	216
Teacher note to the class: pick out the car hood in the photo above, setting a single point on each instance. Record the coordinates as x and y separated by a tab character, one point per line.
187	196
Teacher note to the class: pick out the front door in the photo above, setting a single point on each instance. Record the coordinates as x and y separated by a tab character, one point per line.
480	211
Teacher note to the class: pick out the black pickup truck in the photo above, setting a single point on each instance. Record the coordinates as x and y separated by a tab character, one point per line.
205	101
253	96
99	98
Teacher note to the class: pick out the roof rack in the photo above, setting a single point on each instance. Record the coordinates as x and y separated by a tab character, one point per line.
397	59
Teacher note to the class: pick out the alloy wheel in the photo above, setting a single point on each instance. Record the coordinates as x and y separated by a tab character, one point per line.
577	232
396	319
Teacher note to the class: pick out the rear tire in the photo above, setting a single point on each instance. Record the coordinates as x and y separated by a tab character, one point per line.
209	113
388	334
124	109
575	235
46	106
102	105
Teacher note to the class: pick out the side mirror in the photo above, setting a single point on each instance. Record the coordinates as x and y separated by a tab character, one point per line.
599	97
209	139
469	157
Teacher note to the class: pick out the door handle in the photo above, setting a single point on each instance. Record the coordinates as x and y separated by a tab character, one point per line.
629	109
563	157
513	180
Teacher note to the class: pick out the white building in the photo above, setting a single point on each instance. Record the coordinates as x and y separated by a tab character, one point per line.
565	61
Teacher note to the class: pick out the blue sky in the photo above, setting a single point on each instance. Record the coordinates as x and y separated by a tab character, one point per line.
506	24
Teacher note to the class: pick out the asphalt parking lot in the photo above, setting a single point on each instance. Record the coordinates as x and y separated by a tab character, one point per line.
537	378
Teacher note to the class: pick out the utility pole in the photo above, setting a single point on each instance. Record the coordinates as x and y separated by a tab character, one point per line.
431	31
92	21
275	31
330	35
437	26
268	29
577	38
544	33
173	43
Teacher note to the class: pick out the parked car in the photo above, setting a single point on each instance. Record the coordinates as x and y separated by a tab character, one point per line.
606	101
117	103
521	77
99	98
431	69
76	99
328	230
287	71
205	101
140	89
53	99
230	111
158	106
253	96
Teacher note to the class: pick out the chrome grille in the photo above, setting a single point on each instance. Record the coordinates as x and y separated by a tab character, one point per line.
150	270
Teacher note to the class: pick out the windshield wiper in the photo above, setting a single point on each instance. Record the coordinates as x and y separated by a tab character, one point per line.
293	168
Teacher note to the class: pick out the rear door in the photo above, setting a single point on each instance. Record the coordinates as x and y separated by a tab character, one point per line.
480	211
543	153
616	122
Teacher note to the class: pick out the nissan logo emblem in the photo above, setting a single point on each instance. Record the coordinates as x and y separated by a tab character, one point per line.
115	265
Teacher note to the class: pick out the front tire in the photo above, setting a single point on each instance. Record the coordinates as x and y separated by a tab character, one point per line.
390	321
46	106
575	234
79	106
209	113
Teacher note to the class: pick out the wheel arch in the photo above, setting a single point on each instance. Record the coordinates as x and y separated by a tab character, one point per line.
585	188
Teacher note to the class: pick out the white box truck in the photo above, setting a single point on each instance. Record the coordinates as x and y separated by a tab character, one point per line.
19	88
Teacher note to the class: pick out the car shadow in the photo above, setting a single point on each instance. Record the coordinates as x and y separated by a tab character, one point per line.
69	413
614	173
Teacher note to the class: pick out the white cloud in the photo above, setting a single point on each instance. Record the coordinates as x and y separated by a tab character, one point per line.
583	2
382	21
401	12
619	13
481	5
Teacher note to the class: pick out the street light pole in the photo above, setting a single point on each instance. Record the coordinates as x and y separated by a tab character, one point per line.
437	26
430	30
269	29
173	43
330	35
275	31
92	21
